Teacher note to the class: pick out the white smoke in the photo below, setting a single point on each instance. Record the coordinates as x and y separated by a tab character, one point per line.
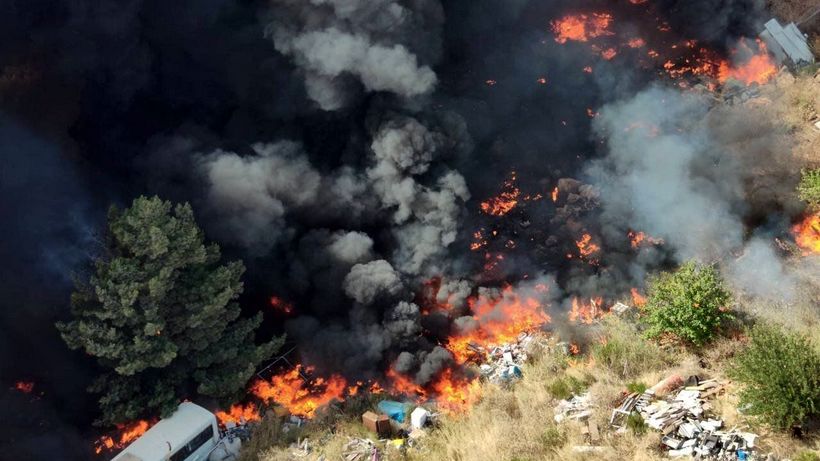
365	282
334	41
670	172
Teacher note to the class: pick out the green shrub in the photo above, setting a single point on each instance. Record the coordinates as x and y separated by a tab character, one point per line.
807	456
780	376
553	438
636	424
565	387
809	187
689	303
625	353
636	388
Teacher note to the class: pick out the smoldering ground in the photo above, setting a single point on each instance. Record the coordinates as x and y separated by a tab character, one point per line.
339	147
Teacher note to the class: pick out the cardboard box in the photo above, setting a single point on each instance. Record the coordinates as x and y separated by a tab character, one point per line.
380	424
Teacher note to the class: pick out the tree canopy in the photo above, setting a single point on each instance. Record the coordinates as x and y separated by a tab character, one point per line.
689	303
160	314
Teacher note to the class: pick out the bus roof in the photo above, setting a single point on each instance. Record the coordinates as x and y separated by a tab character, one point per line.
169	434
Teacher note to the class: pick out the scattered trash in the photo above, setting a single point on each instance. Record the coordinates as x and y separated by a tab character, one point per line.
579	407
301	448
379	424
502	363
361	449
680	418
418	418
394	410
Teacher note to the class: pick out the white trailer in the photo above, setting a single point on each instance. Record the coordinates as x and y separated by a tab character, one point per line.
190	434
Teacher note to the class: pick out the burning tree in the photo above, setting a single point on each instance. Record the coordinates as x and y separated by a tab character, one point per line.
159	313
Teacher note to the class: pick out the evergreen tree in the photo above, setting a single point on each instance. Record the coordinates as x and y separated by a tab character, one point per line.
160	315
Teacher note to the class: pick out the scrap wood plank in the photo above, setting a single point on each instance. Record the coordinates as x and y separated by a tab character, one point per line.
594	435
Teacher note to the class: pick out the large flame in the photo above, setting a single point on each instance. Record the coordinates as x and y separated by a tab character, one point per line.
759	68
456	395
581	27
807	234
505	201
583	311
500	319
128	433
238	414
586	247
301	396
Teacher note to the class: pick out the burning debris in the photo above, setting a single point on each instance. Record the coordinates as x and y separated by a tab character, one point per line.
807	234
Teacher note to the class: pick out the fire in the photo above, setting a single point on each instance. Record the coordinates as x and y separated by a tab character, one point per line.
759	68
456	395
501	318
281	305
554	194
404	385
478	240
637	299
24	386
638	238
583	312
637	2
581	27
586	247
300	396
588	69
609	53
542	81
238	413
636	42
807	234
128	433
505	201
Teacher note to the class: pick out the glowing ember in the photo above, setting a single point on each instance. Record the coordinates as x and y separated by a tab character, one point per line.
505	201
638	2
554	194
588	69
581	27
128	433
637	299
807	234
301	397
478	241
586	247
500	318
636	43
542	81
281	305
586	312
239	414
490	82
609	53
759	68
636	239
24	386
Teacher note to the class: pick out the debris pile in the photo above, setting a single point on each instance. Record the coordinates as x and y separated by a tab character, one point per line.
681	418
579	407
502	363
360	449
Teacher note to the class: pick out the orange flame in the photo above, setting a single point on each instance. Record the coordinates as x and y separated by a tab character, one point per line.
759	68
637	299
583	312
456	395
404	385
128	433
238	414
500	318
554	194
807	234
586	247
300	397
581	27
638	238
505	201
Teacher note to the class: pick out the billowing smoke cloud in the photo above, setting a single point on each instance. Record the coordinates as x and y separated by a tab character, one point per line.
676	170
344	44
367	281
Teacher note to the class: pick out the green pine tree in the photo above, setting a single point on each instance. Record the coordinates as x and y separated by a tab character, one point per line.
160	315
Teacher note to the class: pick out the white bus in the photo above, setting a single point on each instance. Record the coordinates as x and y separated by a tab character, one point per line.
190	434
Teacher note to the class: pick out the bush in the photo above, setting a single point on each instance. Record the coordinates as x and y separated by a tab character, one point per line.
689	303
636	388
625	353
809	187
780	376
636	424
807	456
565	387
553	438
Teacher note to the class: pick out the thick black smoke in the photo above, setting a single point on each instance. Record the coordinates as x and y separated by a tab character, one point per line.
339	147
